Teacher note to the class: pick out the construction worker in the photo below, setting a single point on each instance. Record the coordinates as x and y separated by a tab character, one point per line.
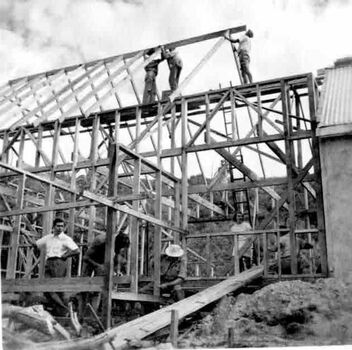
285	253
58	247
93	261
244	49
173	271
238	226
151	70
175	65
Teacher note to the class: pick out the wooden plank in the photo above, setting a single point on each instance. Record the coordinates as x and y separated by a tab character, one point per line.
34	85
178	43
5	155
95	89
52	98
38	146
20	150
197	156
73	284
118	100
93	156
134	229
247	233
158	211
136	297
10	143
208	119
150	323
12	255
317	172
109	243
225	144
205	203
48	208
184	165
174	328
198	67
290	189
146	162
123	80
133	83
87	194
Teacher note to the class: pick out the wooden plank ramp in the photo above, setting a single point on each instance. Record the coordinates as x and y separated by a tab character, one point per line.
150	323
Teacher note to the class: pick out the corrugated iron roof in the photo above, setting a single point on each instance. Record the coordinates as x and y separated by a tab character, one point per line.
335	105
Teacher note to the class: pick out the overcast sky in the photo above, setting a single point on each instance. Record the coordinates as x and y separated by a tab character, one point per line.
291	36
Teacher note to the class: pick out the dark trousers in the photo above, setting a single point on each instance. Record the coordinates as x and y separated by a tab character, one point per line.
176	291
174	77
94	298
245	263
244	63
149	94
56	267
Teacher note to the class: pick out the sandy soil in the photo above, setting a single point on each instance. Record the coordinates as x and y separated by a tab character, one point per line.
286	313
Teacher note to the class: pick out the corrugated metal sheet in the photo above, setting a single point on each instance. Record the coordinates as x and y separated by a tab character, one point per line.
335	105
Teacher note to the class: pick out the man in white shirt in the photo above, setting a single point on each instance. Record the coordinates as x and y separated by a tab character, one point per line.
58	247
244	49
237	227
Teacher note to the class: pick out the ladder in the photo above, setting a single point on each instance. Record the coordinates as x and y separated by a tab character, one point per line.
240	198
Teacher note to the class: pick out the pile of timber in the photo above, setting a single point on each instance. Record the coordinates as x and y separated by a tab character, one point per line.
23	327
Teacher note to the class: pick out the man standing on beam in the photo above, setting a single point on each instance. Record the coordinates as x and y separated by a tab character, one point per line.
175	64
58	247
244	49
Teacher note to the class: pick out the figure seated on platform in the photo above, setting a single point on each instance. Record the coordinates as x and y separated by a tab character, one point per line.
173	271
285	254
93	264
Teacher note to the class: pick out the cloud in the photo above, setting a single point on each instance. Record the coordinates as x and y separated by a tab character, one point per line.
290	36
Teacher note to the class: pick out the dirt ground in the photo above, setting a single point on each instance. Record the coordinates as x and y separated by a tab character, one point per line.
288	313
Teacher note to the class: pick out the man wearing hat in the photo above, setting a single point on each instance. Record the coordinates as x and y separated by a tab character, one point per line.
244	49
173	271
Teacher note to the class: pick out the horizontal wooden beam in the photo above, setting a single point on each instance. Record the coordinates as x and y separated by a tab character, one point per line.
226	144
240	185
73	284
94	197
249	233
127	55
136	297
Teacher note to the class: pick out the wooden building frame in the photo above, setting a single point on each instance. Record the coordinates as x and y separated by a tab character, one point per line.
126	167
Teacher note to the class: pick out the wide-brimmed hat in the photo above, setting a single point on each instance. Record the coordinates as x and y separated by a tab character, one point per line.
174	250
